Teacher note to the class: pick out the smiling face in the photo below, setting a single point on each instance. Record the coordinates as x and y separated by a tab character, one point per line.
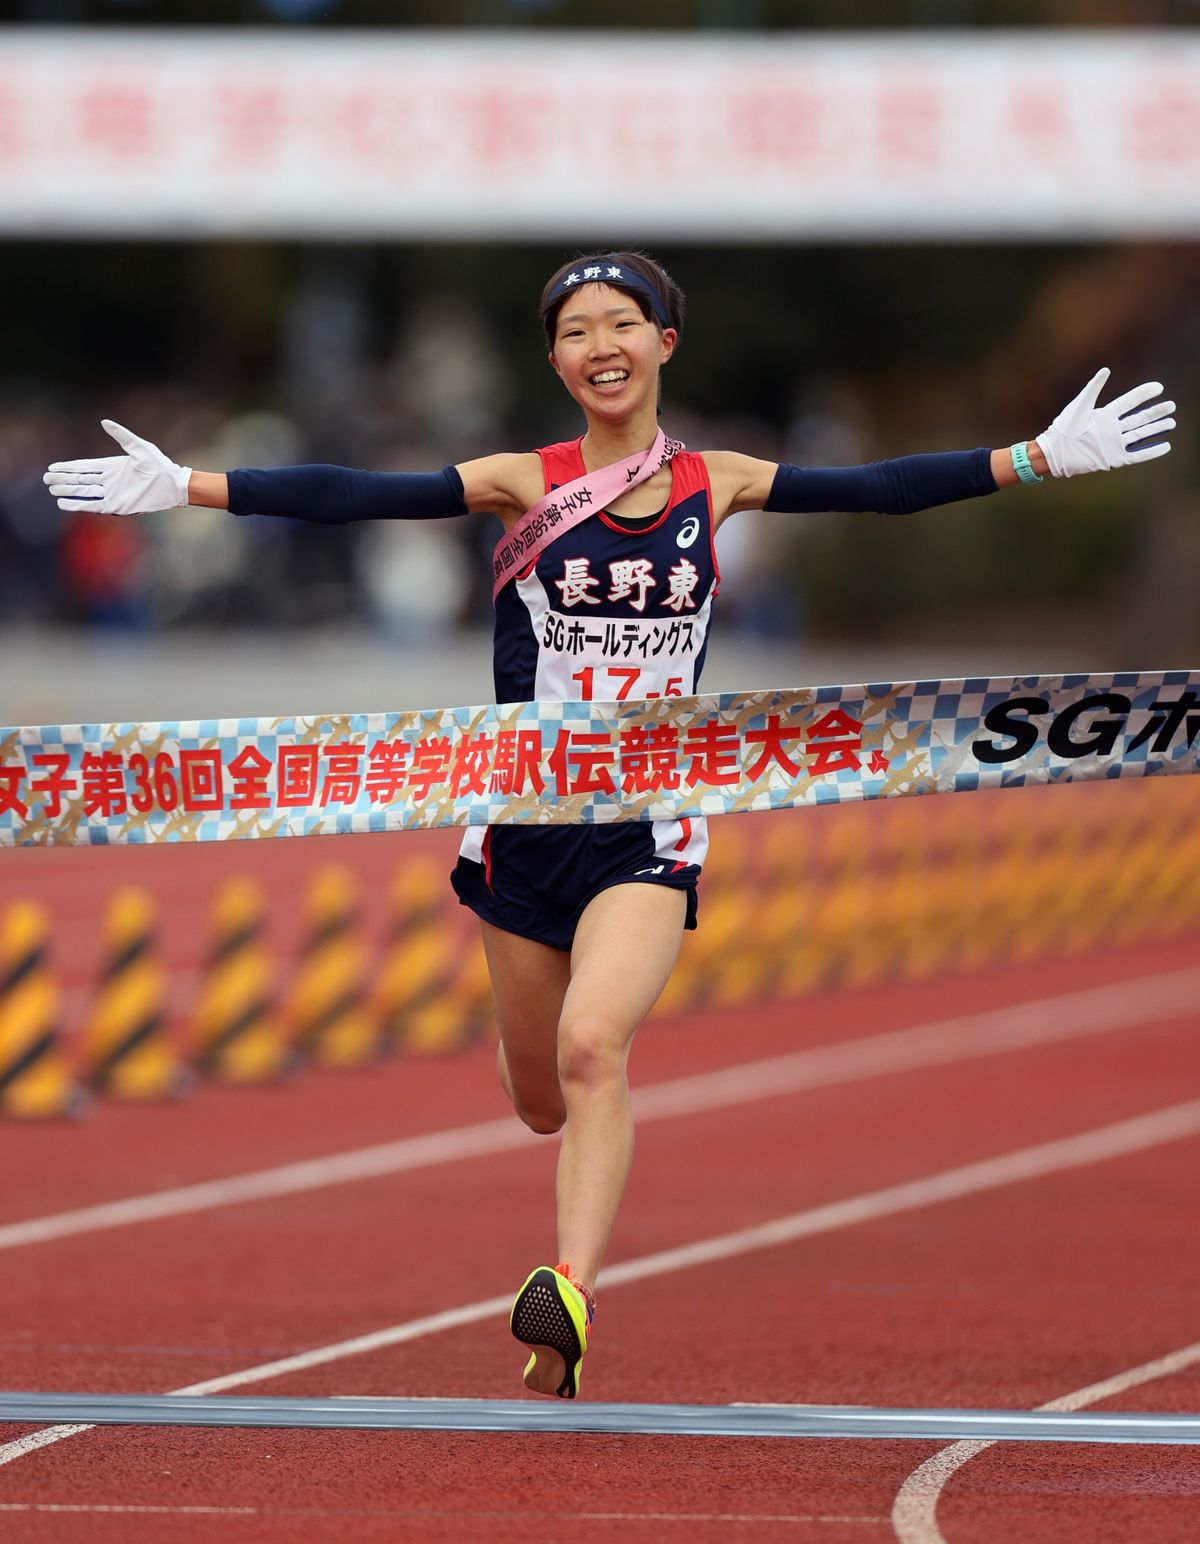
607	354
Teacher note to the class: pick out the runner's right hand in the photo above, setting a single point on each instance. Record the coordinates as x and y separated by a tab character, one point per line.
140	482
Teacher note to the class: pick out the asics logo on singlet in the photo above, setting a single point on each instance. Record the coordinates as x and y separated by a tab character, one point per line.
688	531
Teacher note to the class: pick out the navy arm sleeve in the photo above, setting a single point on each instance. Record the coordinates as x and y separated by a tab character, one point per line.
332	495
896	487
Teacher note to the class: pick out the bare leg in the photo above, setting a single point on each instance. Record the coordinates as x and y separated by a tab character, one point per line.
625	949
529	982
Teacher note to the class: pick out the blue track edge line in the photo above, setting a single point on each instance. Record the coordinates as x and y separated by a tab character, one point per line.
648	1420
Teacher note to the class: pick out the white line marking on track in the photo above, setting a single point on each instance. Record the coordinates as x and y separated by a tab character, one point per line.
428	1513
37	1439
157	1511
1043	1021
1172	1124
719	1517
914	1512
269	1184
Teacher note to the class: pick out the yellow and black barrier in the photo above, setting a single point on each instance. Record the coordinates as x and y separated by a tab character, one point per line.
236	1034
329	1015
865	898
126	1050
35	1078
461	1013
789	907
417	962
432	990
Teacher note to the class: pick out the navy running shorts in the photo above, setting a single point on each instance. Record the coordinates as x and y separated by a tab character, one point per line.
537	880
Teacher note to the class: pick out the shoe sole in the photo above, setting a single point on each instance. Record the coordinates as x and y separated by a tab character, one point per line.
541	1320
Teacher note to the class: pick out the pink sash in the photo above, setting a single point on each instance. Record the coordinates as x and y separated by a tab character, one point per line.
563	509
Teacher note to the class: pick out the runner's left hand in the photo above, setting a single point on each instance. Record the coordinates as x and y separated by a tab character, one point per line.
1087	438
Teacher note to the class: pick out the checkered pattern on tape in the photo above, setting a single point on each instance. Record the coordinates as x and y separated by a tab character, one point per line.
926	730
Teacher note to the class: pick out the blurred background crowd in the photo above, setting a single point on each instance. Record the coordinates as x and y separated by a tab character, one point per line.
406	355
255	355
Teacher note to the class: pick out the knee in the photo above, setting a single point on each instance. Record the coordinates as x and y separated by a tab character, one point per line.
545	1116
590	1054
544	1120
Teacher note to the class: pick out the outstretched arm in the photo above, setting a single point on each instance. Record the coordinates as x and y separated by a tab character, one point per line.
1083	438
144	480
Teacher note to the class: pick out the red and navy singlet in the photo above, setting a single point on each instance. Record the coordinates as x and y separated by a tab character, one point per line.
613	609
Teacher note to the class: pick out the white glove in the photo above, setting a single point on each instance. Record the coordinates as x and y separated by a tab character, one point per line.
1087	438
140	482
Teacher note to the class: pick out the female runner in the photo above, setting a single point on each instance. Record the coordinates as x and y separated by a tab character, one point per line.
582	924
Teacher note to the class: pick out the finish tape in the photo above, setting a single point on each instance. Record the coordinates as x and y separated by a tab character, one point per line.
583	762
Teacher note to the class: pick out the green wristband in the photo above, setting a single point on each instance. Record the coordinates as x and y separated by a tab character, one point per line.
1022	465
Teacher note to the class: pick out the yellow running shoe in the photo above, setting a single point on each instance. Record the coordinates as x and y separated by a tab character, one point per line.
552	1315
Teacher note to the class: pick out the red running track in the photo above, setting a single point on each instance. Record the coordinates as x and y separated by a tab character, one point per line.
1006	1298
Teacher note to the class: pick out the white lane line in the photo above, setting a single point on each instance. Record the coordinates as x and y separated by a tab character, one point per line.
37	1439
154	1511
425	1513
1172	1124
914	1512
1043	1021
718	1517
268	1184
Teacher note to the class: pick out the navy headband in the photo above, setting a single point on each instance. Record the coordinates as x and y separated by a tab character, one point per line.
594	270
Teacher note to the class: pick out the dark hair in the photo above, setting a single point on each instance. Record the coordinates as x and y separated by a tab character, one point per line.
655	275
